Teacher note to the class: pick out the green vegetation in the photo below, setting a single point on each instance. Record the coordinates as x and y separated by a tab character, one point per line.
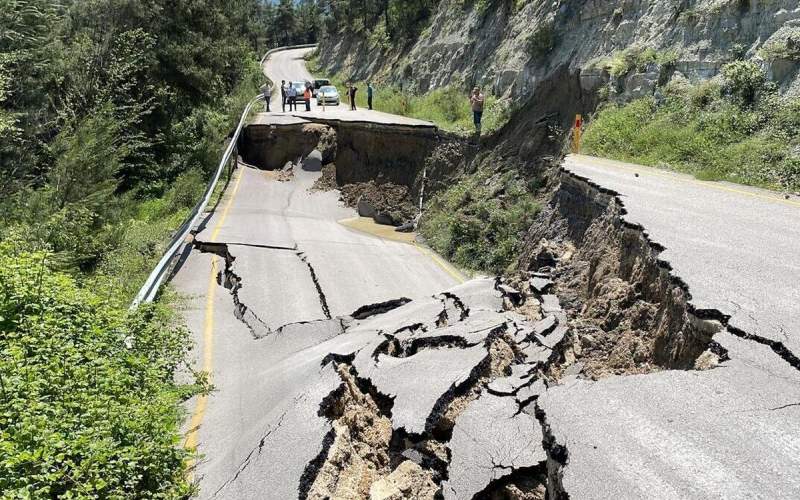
788	48
478	222
83	414
447	107
402	19
636	58
541	40
736	129
113	114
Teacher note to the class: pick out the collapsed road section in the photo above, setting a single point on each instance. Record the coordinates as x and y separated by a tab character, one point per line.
589	373
461	395
433	397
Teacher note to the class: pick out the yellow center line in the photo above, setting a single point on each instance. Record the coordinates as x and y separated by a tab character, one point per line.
681	177
208	334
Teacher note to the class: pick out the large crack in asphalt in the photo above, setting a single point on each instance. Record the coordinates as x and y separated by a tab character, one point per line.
323	301
615	249
230	280
606	308
227	278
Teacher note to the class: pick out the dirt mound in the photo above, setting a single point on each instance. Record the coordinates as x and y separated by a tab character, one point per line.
327	181
390	200
628	315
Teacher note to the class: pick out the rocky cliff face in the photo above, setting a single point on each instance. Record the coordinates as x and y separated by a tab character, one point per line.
626	47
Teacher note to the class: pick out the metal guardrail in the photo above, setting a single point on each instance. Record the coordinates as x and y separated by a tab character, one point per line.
151	286
290	47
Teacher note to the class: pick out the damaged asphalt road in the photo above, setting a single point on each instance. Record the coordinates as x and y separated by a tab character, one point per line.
283	266
348	366
447	394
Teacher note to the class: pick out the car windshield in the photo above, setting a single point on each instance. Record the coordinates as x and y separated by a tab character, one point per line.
328	88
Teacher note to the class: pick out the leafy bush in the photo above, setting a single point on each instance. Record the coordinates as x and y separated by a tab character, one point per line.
743	80
81	414
478	222
636	58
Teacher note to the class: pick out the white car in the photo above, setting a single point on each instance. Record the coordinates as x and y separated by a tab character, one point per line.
300	89
329	95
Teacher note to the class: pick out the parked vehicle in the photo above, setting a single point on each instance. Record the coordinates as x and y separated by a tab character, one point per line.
329	94
301	89
319	83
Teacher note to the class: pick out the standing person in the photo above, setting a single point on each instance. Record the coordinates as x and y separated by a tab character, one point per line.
283	95
476	103
307	97
370	91
292	96
353	90
266	90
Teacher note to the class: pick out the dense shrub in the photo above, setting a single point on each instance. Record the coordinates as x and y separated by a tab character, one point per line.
87	403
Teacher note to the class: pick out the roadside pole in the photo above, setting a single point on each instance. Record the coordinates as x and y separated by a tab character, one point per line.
323	101
576	134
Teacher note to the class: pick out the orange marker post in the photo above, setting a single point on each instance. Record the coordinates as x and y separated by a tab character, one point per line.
576	134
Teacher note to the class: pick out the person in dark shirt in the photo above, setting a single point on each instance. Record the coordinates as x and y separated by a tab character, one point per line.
352	89
283	95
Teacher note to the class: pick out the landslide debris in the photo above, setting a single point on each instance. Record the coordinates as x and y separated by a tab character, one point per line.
327	181
426	371
359	454
387	203
627	314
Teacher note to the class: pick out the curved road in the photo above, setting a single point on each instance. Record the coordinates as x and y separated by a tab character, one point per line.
290	65
295	263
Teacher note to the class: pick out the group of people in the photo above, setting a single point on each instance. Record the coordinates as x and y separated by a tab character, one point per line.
289	96
351	95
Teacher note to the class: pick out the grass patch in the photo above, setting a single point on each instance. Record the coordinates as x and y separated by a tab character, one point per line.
739	130
478	223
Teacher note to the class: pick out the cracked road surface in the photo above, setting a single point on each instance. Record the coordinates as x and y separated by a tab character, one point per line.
735	247
294	264
349	366
458	377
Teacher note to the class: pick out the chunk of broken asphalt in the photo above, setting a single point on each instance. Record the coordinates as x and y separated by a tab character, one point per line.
509	291
552	340
535	353
541	285
545	326
550	304
530	391
505	386
490	439
365	208
441	369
